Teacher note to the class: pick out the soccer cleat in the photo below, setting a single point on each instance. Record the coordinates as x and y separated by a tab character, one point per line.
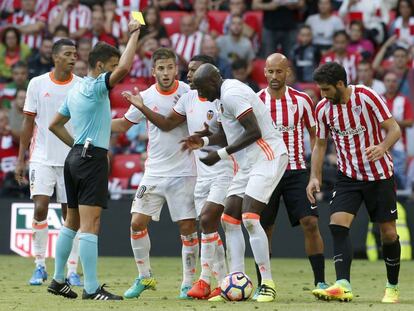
218	298
74	279
39	276
200	290
61	289
140	284
319	290
341	291
215	292
256	293
267	292
391	295
184	292
101	294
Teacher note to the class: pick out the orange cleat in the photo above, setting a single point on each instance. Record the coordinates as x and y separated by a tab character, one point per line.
215	292
200	290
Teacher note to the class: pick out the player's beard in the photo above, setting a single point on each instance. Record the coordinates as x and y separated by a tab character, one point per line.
166	85
337	97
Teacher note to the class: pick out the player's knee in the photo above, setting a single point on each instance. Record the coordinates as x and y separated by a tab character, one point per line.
388	233
310	224
187	226
136	226
40	212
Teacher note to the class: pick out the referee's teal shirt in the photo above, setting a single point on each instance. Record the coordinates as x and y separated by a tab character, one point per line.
88	106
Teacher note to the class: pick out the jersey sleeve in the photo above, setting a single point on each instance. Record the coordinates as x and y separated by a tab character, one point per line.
377	105
308	112
408	110
179	107
237	103
101	86
64	109
30	104
322	130
133	115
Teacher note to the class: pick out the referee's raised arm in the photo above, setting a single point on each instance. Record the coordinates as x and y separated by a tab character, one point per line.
125	62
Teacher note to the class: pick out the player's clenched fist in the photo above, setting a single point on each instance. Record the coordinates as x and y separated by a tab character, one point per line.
133	26
312	188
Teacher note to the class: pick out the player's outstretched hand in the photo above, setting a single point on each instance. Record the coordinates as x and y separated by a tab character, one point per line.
312	188
211	159
205	131
19	173
375	153
191	143
135	100
133	26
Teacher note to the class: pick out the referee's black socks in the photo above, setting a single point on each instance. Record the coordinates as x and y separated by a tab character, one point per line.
392	253
342	251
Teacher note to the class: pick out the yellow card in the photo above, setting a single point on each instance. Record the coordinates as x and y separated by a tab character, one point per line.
138	16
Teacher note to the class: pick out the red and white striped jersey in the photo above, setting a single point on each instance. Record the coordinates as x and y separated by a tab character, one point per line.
354	127
140	67
75	18
126	6
404	33
291	113
44	6
401	110
119	25
187	46
22	19
350	63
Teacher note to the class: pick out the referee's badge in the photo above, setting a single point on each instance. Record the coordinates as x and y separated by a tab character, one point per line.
357	110
210	114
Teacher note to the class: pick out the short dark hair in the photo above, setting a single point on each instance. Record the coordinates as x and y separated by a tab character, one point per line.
57	46
240	63
102	52
305	26
61	28
12	29
205	59
330	73
20	64
340	33
163	53
400	48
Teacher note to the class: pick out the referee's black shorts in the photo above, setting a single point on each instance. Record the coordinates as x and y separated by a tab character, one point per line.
86	179
292	187
379	196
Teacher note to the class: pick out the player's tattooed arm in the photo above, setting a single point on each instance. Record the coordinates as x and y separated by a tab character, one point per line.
58	128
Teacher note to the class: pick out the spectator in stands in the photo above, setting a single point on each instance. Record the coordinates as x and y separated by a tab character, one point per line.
235	45
173	5
84	48
75	16
30	24
19	81
251	26
81	68
366	77
41	62
305	56
205	23
138	137
373	13
116	24
141	67
11	51
16	114
402	111
9	142
125	7
279	24
61	32
324	25
239	69
209	48
403	26
187	43
340	55
98	32
153	27
358	44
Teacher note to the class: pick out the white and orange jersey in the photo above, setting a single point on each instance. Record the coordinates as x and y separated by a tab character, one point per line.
187	46
44	97
198	111
20	18
165	158
355	126
236	100
75	18
291	114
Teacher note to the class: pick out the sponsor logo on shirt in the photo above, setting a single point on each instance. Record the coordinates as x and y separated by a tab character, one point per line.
349	132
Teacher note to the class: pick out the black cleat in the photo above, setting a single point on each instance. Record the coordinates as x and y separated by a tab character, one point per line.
61	289
101	294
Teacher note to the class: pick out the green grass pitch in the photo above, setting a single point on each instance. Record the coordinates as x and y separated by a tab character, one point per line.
293	279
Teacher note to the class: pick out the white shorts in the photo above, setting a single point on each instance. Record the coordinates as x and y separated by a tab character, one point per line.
44	179
153	192
211	190
260	182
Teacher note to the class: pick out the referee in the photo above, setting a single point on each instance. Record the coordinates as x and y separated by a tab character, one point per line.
86	166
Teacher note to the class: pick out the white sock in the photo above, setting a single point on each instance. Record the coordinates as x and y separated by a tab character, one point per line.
258	243
219	266
74	256
40	237
208	250
189	257
234	242
141	246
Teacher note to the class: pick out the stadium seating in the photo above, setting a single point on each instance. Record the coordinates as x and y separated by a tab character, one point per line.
171	20
115	96
125	165
218	16
258	71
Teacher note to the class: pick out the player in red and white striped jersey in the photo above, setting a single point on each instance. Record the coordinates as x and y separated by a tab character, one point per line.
115	23
77	17
292	111
354	115
29	23
126	6
187	43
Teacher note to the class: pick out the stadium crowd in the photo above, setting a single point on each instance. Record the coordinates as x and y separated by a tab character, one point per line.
372	39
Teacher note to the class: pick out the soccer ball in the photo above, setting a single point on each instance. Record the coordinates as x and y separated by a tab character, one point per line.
236	287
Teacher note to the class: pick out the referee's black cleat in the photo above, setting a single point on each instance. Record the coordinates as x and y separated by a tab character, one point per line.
101	294
61	289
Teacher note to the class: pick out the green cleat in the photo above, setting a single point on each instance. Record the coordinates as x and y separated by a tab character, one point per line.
267	291
319	290
341	291
392	294
183	293
140	284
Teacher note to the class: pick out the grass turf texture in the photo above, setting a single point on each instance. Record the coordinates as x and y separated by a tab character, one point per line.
293	279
